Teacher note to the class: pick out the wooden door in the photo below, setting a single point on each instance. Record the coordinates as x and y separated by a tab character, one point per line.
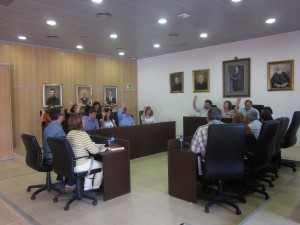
6	136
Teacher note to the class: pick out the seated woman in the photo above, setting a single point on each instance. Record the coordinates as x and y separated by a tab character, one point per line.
147	117
250	138
107	121
227	111
82	145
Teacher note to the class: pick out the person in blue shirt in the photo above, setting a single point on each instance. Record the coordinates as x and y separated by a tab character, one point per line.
91	122
54	129
125	117
243	110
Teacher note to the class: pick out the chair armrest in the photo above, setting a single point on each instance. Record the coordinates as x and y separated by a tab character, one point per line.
249	154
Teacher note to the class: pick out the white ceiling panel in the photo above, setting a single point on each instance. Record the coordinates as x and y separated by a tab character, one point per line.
135	22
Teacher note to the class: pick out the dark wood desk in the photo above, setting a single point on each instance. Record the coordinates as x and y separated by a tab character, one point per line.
116	173
145	139
191	123
182	172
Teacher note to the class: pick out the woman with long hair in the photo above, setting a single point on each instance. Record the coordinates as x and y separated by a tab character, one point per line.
227	111
250	138
147	117
107	121
82	145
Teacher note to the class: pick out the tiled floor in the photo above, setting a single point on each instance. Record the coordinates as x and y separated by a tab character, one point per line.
147	204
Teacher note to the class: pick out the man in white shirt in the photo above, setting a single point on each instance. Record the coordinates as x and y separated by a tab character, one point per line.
253	122
202	110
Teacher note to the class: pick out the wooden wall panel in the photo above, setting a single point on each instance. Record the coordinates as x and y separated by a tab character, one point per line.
25	118
33	66
20	59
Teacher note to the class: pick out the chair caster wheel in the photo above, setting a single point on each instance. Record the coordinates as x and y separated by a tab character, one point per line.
28	189
32	197
243	200
55	199
206	210
66	208
95	202
267	197
238	212
271	185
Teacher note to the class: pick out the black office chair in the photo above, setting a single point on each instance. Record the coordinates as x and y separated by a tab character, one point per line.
276	155
64	162
260	157
34	159
224	159
290	139
258	107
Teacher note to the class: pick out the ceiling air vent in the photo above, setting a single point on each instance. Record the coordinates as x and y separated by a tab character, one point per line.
52	36
104	15
5	2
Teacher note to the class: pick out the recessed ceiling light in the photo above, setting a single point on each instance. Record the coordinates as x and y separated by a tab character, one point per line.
97	1
271	20
79	46
156	45
21	37
51	22
113	36
162	21
121	53
236	0
203	35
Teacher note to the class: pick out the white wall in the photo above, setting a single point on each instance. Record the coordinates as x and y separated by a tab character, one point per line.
153	77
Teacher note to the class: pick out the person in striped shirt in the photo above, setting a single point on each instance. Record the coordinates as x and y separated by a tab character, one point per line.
82	145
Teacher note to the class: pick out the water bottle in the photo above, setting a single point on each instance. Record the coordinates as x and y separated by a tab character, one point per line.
181	142
112	140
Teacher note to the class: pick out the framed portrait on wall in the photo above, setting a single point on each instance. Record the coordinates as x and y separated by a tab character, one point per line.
176	82
84	94
110	94
281	75
201	81
236	78
52	95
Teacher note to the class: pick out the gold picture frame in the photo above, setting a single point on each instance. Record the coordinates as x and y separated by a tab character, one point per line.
201	80
281	75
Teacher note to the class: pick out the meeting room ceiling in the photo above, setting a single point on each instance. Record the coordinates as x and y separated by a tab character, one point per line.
83	22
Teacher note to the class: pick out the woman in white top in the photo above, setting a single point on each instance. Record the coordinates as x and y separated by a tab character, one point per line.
227	111
106	121
82	145
147	117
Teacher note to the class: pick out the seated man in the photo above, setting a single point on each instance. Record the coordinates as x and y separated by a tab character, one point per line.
199	141
253	122
248	106
91	122
124	116
54	129
202	110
